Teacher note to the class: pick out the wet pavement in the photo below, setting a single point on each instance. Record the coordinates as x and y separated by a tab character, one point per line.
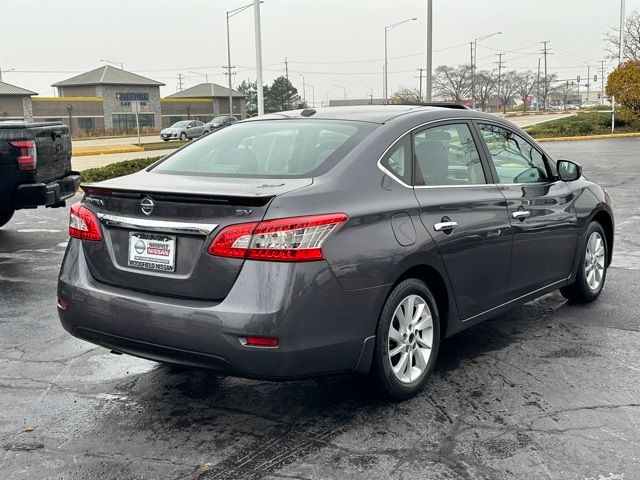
548	390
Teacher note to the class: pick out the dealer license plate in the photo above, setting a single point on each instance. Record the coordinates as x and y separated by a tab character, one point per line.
152	251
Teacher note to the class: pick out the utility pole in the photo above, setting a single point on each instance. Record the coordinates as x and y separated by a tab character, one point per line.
500	64
429	49
179	82
473	80
538	88
546	83
420	70
286	68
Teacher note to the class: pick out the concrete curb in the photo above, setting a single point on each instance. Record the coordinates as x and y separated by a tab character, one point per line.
588	137
88	151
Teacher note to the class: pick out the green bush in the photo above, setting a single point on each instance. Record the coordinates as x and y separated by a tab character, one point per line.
116	169
581	124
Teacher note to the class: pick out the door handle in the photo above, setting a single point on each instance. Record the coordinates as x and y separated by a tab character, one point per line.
441	226
521	214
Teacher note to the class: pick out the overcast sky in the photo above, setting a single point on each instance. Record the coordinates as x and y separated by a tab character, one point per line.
333	43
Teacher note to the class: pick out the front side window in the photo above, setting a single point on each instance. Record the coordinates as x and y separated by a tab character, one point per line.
515	159
273	148
447	155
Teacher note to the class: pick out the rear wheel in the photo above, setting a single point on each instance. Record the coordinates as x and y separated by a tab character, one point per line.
407	340
183	137
5	216
592	270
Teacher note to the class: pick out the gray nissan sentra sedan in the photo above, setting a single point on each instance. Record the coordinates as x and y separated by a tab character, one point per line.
333	240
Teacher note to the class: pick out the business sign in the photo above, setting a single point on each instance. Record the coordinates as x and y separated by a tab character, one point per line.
132	97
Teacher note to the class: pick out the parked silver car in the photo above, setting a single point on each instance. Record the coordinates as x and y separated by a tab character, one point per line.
183	130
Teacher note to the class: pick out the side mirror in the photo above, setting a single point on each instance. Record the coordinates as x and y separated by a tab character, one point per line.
569	171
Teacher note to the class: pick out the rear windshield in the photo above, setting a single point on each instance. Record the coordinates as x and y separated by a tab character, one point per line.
270	148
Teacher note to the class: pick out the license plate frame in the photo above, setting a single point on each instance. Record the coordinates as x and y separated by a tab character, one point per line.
154	252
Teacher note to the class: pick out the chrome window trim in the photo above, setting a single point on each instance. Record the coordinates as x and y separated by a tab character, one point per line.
440	120
156	225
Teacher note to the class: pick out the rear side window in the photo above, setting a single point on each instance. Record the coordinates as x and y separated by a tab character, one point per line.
268	148
515	159
447	155
398	160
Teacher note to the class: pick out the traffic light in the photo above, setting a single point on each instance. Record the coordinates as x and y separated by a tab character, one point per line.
595	78
578	79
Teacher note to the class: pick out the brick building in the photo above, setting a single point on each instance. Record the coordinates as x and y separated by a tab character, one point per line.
106	100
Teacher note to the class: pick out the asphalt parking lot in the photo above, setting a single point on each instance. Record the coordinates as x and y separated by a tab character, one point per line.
548	390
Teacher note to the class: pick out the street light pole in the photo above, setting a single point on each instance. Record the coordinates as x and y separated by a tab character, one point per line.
304	90
588	80
429	85
386	64
256	9
230	14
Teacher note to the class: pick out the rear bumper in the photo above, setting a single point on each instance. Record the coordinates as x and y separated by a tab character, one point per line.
51	194
321	327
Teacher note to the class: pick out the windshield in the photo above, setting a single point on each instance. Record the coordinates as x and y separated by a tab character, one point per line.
184	123
272	148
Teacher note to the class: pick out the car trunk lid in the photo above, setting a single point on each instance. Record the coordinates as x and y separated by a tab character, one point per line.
178	217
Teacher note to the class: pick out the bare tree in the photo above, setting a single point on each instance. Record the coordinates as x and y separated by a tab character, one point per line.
631	39
453	83
485	82
546	88
406	95
525	83
507	88
564	89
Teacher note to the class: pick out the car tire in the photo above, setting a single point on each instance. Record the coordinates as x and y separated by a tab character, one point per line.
394	374
183	137
592	267
5	216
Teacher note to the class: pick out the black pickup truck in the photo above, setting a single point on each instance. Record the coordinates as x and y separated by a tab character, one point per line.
35	166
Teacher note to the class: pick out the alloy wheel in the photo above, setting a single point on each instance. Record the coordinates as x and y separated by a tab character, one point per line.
594	261
410	338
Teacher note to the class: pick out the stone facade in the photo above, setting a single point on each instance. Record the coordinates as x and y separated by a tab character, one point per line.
27	108
112	104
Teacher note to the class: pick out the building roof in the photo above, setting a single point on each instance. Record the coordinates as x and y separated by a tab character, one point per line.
107	75
204	90
8	89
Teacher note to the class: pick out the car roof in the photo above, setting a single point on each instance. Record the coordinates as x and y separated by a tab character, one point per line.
370	113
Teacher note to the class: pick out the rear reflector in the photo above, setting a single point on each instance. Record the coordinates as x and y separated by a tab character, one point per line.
27	158
62	304
262	341
83	223
297	239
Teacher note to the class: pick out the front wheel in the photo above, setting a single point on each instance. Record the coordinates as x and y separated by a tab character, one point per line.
5	216
407	340
183	137
592	269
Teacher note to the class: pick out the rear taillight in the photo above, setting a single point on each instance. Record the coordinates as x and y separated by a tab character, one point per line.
28	158
83	223
297	239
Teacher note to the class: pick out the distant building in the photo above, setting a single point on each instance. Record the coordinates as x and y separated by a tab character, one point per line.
202	102
15	103
352	102
107	99
103	99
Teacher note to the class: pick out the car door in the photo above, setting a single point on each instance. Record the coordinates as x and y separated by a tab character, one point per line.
464	212
199	128
541	210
